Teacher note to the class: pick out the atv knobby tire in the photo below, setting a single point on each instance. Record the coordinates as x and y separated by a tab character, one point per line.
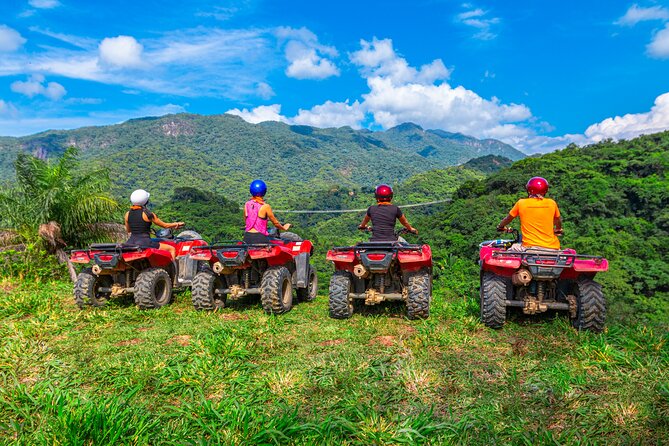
341	306
276	290
153	289
493	300
419	295
591	306
309	293
203	291
86	289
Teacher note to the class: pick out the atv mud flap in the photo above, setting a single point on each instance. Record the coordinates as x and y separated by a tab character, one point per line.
302	269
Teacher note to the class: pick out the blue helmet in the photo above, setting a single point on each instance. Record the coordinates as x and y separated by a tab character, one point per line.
258	188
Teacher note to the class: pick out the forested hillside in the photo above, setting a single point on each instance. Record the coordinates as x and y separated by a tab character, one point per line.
222	153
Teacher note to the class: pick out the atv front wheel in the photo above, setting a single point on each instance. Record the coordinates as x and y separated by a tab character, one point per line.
203	292
153	289
493	297
591	306
341	307
276	290
87	289
419	296
309	293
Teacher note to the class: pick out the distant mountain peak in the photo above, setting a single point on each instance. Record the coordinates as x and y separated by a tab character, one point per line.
406	127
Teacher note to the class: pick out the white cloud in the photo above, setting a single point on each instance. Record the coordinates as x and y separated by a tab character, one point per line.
306	56
121	51
633	124
379	59
264	90
7	109
44	4
479	19
636	14
659	46
36	85
189	63
260	114
10	39
332	114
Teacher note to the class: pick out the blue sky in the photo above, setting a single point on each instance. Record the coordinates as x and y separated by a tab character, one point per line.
535	74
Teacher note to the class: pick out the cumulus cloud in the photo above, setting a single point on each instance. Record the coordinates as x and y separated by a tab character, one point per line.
379	59
307	58
636	14
7	109
121	51
44	4
480	20
332	114
633	124
264	90
36	85
260	114
10	39
659	46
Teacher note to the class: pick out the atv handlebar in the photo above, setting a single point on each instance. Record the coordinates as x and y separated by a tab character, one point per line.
397	233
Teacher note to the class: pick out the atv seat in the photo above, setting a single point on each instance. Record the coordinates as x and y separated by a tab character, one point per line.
114	247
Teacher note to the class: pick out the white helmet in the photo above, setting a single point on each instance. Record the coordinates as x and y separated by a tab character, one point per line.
140	197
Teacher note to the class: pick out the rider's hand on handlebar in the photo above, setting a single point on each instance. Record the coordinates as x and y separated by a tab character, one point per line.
559	231
179	224
413	230
363	228
286	226
501	229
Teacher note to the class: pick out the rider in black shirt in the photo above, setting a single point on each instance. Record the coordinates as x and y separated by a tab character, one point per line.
383	216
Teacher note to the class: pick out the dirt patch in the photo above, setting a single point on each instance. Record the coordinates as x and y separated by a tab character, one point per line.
329	342
133	341
178	310
6	287
142	329
233	317
182	340
519	346
386	341
407	330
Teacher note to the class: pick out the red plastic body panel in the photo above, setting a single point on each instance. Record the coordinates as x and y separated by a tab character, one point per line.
507	265
278	253
409	260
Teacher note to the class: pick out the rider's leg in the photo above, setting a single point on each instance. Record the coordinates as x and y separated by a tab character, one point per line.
170	248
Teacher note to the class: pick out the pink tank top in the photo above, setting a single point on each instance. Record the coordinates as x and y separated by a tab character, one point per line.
253	220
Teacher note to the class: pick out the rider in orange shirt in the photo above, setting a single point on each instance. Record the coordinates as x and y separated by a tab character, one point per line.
540	221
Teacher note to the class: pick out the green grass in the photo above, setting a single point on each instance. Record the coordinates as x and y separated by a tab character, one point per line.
176	376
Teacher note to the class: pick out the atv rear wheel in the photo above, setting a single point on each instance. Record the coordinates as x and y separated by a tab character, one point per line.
419	295
86	289
591	306
276	290
493	297
341	306
309	293
153	289
203	292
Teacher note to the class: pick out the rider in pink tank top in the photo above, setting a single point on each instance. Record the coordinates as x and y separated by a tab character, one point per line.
253	220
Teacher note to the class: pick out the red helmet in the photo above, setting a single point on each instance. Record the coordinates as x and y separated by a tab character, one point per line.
383	192
537	186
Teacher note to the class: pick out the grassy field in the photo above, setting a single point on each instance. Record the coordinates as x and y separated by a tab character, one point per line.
177	376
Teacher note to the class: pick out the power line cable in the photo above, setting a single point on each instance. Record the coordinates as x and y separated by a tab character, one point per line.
351	211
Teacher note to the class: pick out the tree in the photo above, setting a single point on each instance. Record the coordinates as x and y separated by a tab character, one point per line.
54	201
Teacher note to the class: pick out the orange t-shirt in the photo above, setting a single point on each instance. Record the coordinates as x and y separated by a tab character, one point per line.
536	221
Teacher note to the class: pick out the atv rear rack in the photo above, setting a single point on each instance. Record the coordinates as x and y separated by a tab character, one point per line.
381	246
543	258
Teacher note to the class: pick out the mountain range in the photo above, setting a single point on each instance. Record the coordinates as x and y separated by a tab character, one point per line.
224	152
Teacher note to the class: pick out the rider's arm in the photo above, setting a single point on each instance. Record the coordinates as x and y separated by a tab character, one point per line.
505	221
127	225
365	220
273	219
162	224
406	224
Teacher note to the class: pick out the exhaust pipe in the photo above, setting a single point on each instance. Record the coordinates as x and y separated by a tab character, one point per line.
360	271
96	269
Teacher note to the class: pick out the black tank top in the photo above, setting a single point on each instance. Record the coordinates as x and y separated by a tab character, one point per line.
136	222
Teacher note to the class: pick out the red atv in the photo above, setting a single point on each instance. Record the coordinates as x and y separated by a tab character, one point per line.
538	280
148	274
271	270
378	271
